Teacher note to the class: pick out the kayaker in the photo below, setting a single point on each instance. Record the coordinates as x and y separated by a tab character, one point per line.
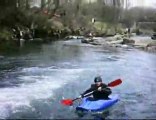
101	90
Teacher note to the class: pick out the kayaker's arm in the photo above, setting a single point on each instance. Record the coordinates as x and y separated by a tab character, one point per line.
87	91
107	90
92	88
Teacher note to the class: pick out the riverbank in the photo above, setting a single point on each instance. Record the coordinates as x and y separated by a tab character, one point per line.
40	28
140	42
10	38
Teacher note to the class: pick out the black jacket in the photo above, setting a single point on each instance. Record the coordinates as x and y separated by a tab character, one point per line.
103	94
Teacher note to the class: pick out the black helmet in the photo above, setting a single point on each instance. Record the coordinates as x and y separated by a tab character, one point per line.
98	79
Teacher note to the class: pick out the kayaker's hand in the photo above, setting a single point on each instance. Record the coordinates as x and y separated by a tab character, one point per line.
81	96
99	88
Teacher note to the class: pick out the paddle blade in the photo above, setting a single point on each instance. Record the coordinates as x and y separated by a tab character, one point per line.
67	102
115	83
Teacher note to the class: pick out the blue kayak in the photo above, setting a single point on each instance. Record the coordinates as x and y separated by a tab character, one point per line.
88	104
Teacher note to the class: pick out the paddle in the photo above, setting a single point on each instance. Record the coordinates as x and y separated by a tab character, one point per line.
69	102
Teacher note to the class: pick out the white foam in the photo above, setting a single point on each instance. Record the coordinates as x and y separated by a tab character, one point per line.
40	88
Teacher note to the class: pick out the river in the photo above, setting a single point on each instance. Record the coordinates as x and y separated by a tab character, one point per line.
35	79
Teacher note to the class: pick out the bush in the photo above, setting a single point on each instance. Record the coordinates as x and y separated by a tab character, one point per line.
5	34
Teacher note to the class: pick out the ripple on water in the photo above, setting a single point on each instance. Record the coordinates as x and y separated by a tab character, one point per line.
41	86
37	84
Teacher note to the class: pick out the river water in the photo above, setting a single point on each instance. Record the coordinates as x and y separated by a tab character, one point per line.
34	80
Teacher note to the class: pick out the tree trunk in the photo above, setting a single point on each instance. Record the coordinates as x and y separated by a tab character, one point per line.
57	3
27	4
42	4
